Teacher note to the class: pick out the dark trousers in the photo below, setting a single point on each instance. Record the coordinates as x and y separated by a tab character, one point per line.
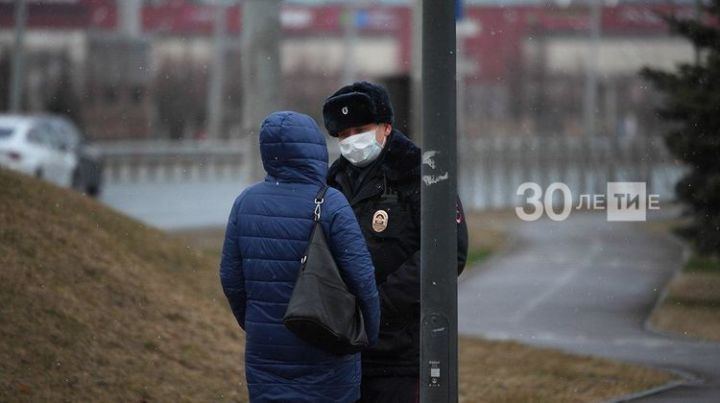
398	389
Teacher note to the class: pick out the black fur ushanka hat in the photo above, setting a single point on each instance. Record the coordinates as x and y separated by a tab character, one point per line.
356	105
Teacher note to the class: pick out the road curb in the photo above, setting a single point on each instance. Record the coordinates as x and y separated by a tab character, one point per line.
686	252
688	379
647	324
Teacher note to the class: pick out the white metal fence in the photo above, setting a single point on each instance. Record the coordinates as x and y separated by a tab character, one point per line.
490	169
174	161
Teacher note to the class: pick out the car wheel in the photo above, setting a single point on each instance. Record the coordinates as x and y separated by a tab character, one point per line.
77	181
93	190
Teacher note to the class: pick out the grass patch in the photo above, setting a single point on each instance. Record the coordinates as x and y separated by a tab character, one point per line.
691	306
477	256
492	371
703	264
487	232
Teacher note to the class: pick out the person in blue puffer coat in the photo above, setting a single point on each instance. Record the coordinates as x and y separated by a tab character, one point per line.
266	236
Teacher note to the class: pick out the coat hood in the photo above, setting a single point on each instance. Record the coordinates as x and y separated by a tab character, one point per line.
293	148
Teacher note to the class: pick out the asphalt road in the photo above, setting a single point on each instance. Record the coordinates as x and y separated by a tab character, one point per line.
173	206
587	286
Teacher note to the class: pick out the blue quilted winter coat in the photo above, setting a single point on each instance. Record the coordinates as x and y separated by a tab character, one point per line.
266	236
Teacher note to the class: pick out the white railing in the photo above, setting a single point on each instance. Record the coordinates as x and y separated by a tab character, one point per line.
490	169
173	161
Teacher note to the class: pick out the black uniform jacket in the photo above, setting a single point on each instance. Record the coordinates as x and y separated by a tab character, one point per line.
386	199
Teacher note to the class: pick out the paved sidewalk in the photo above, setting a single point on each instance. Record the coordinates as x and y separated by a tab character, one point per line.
586	286
174	206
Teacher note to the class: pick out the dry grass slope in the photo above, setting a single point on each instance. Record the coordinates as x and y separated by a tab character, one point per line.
97	307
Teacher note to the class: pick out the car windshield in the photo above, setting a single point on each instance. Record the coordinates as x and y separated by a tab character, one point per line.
5	133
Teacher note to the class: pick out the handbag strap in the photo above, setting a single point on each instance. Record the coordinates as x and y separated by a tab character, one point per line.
319	200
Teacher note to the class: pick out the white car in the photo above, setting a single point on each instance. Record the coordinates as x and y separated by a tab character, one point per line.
30	144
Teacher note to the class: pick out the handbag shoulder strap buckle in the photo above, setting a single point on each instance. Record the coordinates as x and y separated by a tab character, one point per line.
318	203
319	200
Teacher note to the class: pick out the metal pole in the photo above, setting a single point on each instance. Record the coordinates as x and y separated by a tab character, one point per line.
697	8
18	67
438	327
130	16
463	137
416	72
590	101
350	39
460	46
262	78
217	78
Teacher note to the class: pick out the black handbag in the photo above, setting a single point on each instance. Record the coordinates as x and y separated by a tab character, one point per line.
322	311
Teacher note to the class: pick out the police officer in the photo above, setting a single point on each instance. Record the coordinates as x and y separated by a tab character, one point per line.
379	174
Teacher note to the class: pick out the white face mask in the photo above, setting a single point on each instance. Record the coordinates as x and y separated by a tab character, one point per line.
361	149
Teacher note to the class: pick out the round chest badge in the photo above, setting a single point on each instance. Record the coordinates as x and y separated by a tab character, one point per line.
380	221
345	110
